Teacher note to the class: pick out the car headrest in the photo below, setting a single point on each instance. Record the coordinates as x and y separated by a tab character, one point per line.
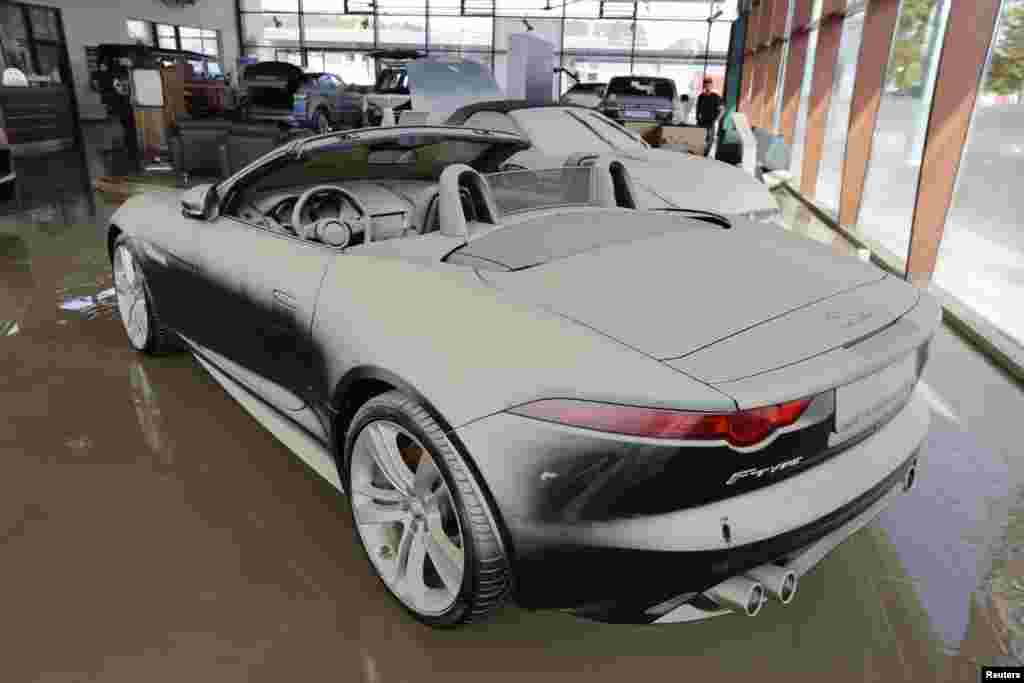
455	179
611	184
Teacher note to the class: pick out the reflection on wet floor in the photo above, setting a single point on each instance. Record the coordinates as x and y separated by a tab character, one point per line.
152	531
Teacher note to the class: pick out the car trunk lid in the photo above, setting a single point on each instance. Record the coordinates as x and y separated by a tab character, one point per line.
271	86
676	292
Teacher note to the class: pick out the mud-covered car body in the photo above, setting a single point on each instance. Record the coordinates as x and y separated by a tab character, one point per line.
658	405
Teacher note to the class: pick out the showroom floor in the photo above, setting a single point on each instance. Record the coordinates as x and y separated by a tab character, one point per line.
151	531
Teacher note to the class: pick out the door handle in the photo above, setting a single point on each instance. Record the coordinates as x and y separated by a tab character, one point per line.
285	299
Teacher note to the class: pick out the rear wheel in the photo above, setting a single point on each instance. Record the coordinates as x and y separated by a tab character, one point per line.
146	332
321	121
421	516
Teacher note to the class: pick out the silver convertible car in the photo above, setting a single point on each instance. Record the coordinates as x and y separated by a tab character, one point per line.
528	388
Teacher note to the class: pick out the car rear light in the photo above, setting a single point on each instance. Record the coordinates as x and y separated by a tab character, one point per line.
743	428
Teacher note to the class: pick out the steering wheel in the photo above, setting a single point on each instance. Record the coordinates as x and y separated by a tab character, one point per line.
323	226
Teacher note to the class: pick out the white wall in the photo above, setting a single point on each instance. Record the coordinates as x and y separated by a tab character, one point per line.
91	22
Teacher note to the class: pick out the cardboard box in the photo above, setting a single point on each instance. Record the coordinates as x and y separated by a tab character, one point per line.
691	137
650	132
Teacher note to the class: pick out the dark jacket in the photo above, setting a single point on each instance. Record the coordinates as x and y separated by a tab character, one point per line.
708	106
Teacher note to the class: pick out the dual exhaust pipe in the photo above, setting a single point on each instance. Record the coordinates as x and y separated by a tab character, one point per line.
749	592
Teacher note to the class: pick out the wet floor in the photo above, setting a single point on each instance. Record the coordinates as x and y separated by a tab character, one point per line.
151	531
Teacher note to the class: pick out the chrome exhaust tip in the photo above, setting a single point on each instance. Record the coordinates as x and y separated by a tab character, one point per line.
738	593
910	478
779	582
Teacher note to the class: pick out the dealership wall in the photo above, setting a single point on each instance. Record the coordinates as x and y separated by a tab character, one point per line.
91	22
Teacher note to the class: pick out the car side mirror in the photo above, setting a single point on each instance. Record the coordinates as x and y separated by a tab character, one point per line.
199	202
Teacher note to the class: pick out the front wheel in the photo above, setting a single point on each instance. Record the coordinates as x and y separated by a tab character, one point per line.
146	332
421	516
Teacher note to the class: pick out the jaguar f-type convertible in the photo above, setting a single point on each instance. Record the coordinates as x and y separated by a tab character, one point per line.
528	388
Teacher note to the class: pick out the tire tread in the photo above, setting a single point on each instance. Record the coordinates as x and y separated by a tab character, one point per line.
491	570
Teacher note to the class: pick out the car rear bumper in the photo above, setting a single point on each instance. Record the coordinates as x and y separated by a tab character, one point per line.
565	560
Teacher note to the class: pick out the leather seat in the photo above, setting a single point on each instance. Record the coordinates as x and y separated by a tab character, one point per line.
196	146
247	142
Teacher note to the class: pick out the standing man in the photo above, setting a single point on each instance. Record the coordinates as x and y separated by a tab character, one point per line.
709	104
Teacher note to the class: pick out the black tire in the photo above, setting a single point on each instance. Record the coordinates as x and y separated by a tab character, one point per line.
487	576
321	121
159	339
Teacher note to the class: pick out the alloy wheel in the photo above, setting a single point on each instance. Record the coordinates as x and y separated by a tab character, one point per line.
131	297
406	518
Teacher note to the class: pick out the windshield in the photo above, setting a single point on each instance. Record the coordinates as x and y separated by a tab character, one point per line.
641	86
414	155
518	191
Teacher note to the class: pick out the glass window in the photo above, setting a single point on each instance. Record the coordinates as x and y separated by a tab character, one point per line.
44	23
207	33
402	31
583	9
323	30
599	34
139	31
678	37
519	8
275	5
290	56
189	32
460	32
981	257
838	123
354	68
890	189
167	42
800	129
402	7
260	54
165	30
192	44
667	9
783	65
271	29
315	61
548	29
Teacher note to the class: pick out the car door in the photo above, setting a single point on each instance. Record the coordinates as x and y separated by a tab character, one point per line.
168	245
268	288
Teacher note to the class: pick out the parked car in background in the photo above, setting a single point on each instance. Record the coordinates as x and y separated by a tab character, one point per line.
642	98
585	95
279	91
661	178
431	88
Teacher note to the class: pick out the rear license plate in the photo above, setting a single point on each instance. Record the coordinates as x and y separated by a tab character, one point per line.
868	400
638	114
